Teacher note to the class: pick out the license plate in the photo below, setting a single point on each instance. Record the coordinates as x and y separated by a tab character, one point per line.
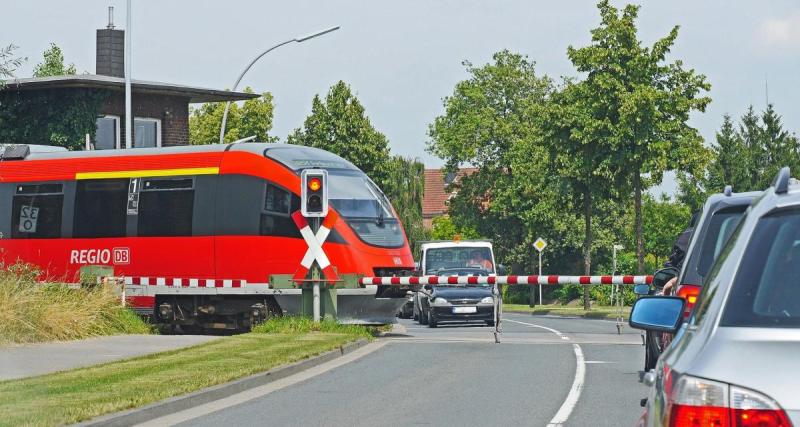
464	310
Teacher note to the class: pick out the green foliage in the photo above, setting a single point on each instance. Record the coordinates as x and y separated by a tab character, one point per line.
340	125
489	123
638	104
296	325
253	117
747	157
53	64
405	185
60	117
663	221
443	228
8	63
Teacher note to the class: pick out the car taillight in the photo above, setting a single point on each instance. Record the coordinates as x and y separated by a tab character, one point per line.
700	402
753	409
690	294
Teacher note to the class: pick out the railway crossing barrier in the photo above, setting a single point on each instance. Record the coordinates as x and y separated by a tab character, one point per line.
497	281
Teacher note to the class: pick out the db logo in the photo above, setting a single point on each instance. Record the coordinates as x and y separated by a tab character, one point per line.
122	256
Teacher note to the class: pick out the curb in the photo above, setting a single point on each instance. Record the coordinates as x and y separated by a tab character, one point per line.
179	403
565	316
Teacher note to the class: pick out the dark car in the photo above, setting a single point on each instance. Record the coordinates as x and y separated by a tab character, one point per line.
458	303
720	216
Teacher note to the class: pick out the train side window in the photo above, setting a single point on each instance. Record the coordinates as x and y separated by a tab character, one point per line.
166	207
275	215
36	211
101	208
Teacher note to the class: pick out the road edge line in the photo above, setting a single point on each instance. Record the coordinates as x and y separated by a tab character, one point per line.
207	395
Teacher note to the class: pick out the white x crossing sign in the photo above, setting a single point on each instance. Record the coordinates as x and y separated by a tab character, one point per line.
314	242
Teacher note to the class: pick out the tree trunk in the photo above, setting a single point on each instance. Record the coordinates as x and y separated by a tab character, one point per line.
637	207
587	242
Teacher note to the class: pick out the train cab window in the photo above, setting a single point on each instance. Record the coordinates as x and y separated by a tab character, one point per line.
275	214
166	206
100	208
36	211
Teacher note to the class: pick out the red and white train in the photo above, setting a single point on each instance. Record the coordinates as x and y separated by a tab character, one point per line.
196	231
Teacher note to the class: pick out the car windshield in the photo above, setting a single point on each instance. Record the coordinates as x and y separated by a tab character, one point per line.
719	231
440	260
766	291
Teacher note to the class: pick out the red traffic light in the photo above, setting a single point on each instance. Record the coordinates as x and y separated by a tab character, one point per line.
314	184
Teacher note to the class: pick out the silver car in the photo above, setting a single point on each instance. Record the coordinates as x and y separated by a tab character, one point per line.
736	361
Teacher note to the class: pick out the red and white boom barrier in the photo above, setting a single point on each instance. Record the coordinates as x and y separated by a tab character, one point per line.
507	280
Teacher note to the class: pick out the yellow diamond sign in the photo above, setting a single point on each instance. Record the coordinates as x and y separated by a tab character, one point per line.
539	244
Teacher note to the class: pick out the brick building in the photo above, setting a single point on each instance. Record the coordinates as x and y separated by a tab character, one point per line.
438	191
160	110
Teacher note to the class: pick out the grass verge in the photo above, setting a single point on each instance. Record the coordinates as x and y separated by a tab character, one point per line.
34	312
596	312
77	395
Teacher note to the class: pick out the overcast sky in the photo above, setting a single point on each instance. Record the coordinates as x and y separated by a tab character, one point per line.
402	57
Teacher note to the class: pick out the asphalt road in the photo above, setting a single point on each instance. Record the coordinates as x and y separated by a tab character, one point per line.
546	371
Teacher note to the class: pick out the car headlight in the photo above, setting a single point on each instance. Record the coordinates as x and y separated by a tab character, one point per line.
440	301
487	300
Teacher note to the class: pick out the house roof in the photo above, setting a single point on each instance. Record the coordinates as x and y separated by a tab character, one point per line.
94	81
436	195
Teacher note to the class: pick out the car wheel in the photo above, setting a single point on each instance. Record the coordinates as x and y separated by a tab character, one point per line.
416	316
423	317
431	320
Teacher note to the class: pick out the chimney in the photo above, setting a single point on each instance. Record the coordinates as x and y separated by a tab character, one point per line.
110	49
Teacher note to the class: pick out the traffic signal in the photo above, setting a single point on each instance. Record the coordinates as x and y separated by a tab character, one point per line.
314	193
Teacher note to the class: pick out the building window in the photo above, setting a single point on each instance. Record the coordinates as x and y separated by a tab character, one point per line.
107	133
101	208
166	206
146	133
36	211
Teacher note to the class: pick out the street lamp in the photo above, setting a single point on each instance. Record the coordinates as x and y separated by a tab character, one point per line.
235	85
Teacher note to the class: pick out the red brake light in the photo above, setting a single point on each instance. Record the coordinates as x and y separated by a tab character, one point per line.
701	402
690	294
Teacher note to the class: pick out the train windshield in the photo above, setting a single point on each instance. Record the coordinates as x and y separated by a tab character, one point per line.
365	208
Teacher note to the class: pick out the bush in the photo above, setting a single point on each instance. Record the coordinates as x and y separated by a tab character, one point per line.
31	311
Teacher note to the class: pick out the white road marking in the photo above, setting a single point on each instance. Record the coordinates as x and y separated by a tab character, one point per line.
571	401
596	362
254	393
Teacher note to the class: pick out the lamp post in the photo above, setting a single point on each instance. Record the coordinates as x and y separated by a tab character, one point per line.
246	69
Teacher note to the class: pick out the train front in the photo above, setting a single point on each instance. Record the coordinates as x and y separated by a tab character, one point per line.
368	238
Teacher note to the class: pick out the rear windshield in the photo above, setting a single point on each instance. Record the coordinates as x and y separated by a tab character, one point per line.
719	231
766	291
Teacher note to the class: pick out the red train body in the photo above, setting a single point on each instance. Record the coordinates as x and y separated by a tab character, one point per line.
206	223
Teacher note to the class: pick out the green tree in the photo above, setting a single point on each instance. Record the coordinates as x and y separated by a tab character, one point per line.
53	64
489	123
253	117
442	228
340	125
8	63
729	165
582	151
404	187
663	221
639	103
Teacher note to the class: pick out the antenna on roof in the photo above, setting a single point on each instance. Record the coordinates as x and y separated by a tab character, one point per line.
110	25
781	182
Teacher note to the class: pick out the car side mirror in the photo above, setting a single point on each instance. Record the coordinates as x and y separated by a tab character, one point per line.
657	313
641	289
661	277
501	270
